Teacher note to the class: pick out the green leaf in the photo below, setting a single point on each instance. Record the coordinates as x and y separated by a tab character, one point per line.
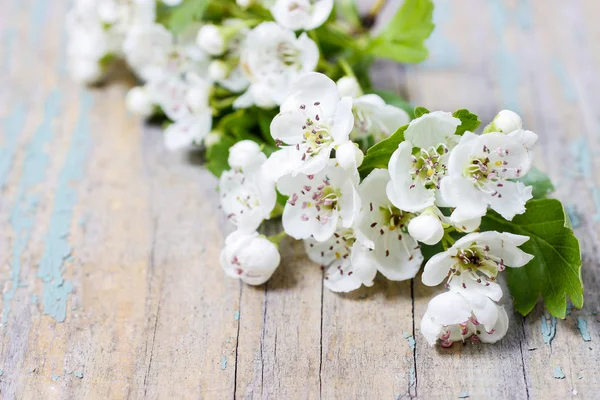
555	271
403	39
542	185
470	121
396	100
217	156
420	111
379	155
186	13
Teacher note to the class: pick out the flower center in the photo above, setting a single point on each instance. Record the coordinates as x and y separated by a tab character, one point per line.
288	54
477	261
427	166
316	132
323	197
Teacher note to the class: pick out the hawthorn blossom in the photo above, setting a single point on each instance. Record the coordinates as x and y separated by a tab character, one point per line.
467	310
138	101
272	58
247	197
301	14
479	169
375	119
249	257
319	202
313	121
420	162
382	227
426	228
347	263
480	255
510	123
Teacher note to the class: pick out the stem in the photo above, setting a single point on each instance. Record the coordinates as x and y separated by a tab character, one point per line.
376	8
346	67
276	239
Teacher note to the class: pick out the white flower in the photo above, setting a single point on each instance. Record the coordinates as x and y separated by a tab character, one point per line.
313	121
246	154
185	101
147	46
373	118
318	202
272	58
302	14
347	263
426	228
479	170
139	101
480	255
218	70
463	312
348	86
383	228
249	257
211	40
420	162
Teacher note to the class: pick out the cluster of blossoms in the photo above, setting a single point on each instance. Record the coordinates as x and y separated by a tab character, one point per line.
437	185
279	95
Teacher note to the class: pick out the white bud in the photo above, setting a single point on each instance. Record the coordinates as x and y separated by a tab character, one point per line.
218	70
172	3
348	86
84	70
349	156
244	3
212	139
211	40
244	154
138	102
426	229
249	257
197	97
508	121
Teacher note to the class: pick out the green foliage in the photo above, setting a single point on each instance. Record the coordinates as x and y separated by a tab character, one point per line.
555	271
403	40
470	121
420	111
179	18
542	185
218	154
379	155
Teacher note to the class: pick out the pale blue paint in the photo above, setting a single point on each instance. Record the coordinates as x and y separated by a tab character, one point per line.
1	372
55	377
13	124
558	373
582	326
57	247
573	215
34	298
236	316
548	329
563	76
79	374
38	14
10	38
21	217
524	14
506	63
463	395
223	362
413	379
442	52
584	166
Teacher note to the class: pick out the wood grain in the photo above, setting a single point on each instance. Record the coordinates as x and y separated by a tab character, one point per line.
118	239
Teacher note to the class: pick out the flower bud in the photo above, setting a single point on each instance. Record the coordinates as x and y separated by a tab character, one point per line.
244	154
249	257
218	70
349	86
349	156
211	40
138	102
172	3
212	139
508	121
426	229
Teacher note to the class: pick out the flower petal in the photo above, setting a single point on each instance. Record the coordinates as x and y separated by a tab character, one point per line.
449	308
432	129
437	269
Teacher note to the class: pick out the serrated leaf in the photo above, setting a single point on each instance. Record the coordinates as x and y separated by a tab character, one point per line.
403	39
555	271
379	155
470	121
542	185
420	111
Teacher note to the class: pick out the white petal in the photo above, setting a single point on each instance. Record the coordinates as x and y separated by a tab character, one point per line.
499	330
187	131
349	156
364	266
309	53
461	193
343	121
484	309
430	329
281	162
432	129
244	154
437	269
514	195
397	260
449	308
311	88
349	86
526	138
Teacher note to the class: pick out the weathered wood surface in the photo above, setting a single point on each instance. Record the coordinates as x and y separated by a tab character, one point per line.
109	244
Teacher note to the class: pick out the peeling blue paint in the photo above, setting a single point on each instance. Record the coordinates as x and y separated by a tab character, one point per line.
412	376
21	218
573	214
38	14
223	362
558	373
506	63
463	395
55	377
57	247
582	326
79	374
548	329
236	316
13	124
34	298
524	14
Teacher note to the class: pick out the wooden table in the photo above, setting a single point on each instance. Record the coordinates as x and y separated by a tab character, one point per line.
109	244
